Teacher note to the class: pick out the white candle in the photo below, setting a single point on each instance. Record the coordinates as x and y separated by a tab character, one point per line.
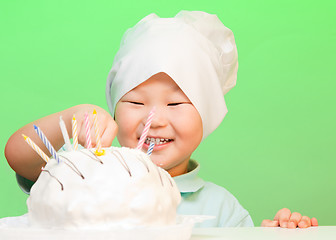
65	135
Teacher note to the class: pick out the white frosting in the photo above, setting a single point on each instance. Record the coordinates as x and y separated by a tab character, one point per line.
122	188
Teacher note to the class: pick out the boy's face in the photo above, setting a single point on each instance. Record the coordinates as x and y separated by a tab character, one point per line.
176	127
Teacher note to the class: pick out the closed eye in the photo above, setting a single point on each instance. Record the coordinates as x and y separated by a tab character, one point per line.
136	103
175	104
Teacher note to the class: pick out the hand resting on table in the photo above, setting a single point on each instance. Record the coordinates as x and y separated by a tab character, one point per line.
286	219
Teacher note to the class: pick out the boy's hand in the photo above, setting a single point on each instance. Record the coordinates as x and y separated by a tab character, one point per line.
107	126
285	219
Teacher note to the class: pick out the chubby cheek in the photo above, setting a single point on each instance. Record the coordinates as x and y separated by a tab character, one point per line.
189	128
124	137
126	127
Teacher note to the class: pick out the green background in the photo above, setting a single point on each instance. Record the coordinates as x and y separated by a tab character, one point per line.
276	146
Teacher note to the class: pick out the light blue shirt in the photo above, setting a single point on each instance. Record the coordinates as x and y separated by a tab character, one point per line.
206	198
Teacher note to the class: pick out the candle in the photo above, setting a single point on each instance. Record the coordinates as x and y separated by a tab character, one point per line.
36	148
146	129
99	150
46	142
150	148
74	132
65	135
87	130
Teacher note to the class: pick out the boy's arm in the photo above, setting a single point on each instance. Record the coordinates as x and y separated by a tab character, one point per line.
286	219
27	163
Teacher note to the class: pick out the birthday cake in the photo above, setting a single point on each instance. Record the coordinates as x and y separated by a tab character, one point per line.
121	188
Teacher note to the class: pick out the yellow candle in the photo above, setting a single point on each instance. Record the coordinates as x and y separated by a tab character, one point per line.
74	133
99	150
36	148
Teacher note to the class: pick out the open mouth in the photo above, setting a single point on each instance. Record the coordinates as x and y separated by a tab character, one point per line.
157	141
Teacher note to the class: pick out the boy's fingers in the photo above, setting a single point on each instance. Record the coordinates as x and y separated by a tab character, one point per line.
81	135
283	216
314	222
294	220
305	222
109	134
286	219
281	213
93	136
269	223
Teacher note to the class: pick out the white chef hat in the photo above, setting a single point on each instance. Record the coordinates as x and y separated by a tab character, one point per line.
194	48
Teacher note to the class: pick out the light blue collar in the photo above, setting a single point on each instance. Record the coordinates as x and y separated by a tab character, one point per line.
190	181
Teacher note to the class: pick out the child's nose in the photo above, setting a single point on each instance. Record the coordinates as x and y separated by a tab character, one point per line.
159	118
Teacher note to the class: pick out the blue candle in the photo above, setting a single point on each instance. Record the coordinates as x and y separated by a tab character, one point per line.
46	142
150	148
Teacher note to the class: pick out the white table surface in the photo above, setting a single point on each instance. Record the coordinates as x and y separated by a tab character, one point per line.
262	233
253	233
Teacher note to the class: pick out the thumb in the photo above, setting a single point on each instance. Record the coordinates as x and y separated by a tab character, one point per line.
269	223
109	134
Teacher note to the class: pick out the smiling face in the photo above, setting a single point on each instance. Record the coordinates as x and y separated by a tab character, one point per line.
176	128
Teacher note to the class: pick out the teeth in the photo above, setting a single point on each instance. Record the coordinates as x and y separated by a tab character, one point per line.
157	141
